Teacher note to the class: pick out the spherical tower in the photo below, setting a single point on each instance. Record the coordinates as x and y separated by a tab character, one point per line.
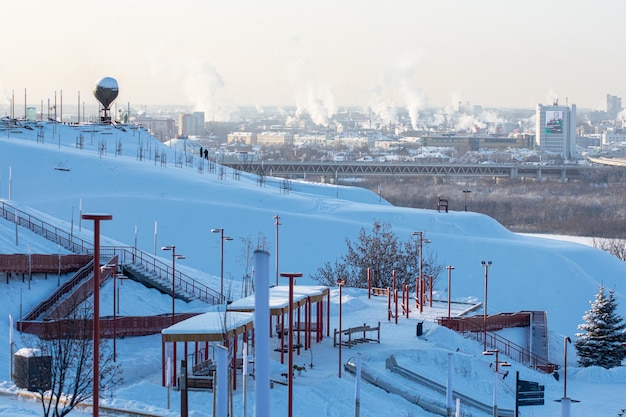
106	91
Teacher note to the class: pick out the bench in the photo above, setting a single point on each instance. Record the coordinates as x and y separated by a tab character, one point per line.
204	368
355	335
199	383
380	291
442	204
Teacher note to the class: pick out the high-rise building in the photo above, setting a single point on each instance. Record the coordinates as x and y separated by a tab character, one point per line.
191	124
555	129
613	106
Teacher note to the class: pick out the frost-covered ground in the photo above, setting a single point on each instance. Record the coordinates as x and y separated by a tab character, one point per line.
182	205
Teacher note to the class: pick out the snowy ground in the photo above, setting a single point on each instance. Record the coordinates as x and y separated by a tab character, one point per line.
528	273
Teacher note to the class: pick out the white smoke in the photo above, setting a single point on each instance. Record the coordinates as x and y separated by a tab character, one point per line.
406	72
201	81
382	108
552	97
313	96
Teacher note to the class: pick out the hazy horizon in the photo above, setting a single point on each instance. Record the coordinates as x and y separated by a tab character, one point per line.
315	56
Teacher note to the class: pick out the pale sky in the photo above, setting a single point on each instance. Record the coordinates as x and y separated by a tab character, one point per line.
320	53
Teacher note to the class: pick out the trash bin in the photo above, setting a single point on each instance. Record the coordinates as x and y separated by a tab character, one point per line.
420	329
32	370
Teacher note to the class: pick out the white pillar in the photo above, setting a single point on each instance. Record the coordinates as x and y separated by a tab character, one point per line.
261	333
449	386
357	387
222	382
565	407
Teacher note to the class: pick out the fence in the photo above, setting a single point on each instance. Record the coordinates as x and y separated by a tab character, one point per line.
109	327
38	263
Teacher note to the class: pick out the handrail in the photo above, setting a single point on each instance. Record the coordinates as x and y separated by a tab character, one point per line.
21	218
60	292
512	350
163	270
77	245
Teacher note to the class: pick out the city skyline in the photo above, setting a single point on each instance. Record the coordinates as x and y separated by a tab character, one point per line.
317	57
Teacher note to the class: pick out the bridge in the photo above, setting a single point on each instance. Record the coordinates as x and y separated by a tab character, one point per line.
329	170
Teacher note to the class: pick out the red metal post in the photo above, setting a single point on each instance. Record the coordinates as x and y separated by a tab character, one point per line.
449	268
430	289
96	305
282	336
395	297
486	265
291	276
369	283
340	283
277	223
388	304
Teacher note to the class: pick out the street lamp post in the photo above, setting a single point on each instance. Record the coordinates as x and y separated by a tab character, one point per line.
96	305
277	223
419	284
340	283
291	276
223	238
486	265
113	269
465	193
449	268
495	379
174	257
565	401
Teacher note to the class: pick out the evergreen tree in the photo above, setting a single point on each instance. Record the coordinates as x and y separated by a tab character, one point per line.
600	342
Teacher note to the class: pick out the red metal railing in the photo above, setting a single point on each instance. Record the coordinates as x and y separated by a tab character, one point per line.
39	263
474	327
45	229
182	281
125	326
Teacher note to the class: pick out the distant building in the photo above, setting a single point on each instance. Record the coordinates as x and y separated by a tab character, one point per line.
473	143
555	129
162	129
249	138
613	106
274	138
612	136
191	124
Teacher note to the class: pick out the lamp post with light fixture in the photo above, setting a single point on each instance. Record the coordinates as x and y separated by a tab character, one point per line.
449	268
97	218
291	276
495	379
277	223
174	257
223	238
419	284
486	265
340	284
465	193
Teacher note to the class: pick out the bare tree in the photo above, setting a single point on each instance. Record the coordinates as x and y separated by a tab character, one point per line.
69	343
382	252
616	247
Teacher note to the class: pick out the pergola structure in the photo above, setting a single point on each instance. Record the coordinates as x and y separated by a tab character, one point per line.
215	326
304	298
238	321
